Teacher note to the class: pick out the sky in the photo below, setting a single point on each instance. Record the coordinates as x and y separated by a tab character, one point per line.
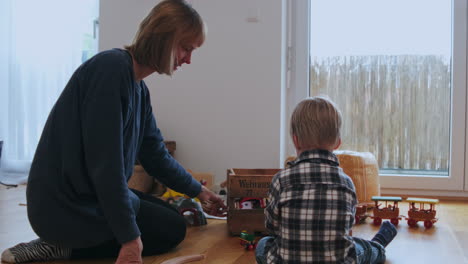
380	27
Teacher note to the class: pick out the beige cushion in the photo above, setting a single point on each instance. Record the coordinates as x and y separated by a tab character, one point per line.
363	169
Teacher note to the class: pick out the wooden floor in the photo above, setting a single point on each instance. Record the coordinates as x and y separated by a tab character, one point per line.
446	243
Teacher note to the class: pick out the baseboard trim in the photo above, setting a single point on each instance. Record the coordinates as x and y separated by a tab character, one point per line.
441	195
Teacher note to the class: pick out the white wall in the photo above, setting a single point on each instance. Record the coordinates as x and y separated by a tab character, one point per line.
223	110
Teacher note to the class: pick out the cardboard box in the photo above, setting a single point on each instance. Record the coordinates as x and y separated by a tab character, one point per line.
245	183
203	176
143	182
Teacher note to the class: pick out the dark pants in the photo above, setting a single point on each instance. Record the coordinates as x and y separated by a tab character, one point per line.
162	229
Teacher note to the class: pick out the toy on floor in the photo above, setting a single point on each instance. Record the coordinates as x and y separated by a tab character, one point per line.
191	211
361	213
419	213
386	207
171	195
247	240
251	203
184	259
389	211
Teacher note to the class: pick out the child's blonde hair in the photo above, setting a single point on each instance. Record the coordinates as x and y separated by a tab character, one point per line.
316	123
170	23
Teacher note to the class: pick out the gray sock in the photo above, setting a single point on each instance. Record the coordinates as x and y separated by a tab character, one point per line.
386	234
35	250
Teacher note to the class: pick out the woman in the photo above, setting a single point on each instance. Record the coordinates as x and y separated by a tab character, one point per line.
78	200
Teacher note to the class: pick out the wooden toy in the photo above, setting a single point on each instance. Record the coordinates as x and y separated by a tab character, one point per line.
386	207
388	211
184	259
361	213
248	240
244	183
419	213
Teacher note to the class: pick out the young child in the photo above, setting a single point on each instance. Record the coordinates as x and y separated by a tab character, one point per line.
312	203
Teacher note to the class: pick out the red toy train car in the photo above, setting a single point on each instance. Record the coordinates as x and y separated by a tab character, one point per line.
386	207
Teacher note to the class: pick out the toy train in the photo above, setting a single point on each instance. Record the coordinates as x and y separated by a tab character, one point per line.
386	207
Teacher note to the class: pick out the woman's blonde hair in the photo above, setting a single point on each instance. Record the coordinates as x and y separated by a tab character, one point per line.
169	24
316	122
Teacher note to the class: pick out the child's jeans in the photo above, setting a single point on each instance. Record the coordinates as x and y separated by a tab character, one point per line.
260	253
367	252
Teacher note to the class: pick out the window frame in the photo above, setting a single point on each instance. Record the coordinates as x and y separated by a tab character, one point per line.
299	12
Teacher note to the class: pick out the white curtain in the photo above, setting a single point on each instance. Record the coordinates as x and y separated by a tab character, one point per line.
43	42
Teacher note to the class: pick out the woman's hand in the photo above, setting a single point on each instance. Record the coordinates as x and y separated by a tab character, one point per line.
130	252
212	204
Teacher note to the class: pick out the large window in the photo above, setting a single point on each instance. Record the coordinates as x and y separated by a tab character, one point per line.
397	71
391	77
43	42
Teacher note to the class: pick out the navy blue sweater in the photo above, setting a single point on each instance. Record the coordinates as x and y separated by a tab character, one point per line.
103	121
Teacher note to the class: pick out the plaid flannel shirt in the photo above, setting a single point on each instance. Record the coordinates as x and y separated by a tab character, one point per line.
310	212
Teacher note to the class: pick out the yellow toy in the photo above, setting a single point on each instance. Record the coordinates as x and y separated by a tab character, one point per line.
173	195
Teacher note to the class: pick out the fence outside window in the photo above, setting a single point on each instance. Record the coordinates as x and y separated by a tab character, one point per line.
394	106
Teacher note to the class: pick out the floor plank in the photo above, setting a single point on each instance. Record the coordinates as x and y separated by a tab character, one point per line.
447	242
